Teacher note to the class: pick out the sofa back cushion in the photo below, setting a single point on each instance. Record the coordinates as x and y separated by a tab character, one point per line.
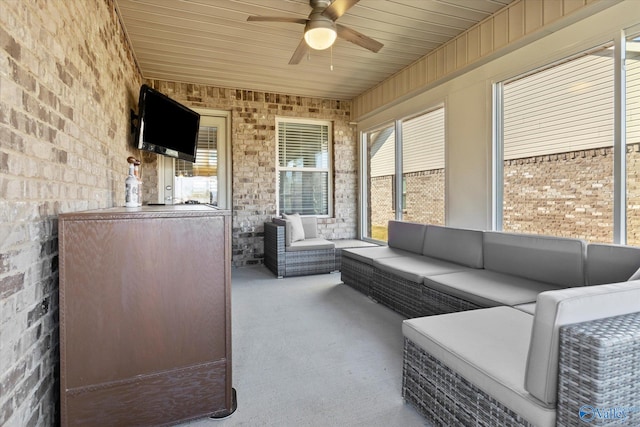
555	260
454	244
611	263
406	235
564	307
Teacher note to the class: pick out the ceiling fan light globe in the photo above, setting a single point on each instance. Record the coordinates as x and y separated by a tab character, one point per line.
320	35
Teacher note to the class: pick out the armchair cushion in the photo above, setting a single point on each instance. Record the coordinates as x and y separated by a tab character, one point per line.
295	230
312	244
310	225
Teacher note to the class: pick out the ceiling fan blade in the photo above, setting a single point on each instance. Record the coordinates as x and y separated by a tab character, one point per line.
358	38
277	19
300	52
338	8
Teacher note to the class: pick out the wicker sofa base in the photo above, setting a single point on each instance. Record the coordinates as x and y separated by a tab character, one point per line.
408	298
357	275
447	399
598	378
436	302
599	363
397	293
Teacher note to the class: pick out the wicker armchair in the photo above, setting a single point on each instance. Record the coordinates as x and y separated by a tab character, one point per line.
284	257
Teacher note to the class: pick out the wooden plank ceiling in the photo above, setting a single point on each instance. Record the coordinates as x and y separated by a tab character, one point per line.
211	42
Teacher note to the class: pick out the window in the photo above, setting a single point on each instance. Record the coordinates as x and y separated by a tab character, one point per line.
568	147
381	168
304	167
393	193
423	168
633	139
557	149
412	149
204	180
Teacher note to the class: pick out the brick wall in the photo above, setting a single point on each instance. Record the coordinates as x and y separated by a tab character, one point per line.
381	201
253	148
566	194
424	198
67	83
570	194
633	194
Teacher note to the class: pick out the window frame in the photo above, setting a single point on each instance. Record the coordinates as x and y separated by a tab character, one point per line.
619	140
399	186
328	169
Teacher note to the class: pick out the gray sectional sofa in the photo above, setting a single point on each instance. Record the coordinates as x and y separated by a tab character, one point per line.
509	329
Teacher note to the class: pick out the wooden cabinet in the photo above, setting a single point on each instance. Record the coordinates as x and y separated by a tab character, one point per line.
145	315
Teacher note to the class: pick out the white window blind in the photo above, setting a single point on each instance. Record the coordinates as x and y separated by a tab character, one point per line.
304	167
199	180
565	108
423	142
206	163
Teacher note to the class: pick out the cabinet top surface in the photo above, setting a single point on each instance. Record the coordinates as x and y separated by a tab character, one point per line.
148	212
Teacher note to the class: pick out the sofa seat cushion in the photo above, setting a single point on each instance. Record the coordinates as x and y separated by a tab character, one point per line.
527	308
294	227
368	255
488	347
313	244
564	307
488	288
415	267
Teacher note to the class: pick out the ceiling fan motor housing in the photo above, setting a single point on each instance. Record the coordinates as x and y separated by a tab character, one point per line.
323	24
320	4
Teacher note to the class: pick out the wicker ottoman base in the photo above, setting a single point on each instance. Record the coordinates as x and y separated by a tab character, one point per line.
447	399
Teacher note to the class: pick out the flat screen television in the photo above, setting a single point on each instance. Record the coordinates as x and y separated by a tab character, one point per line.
166	126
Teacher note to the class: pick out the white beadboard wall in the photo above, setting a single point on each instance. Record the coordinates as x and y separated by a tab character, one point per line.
490	37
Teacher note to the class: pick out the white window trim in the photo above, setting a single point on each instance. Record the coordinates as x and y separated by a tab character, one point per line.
363	219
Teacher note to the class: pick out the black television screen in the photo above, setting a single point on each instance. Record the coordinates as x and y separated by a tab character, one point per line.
166	126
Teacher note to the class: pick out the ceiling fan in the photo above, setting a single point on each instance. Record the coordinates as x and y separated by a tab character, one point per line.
321	30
